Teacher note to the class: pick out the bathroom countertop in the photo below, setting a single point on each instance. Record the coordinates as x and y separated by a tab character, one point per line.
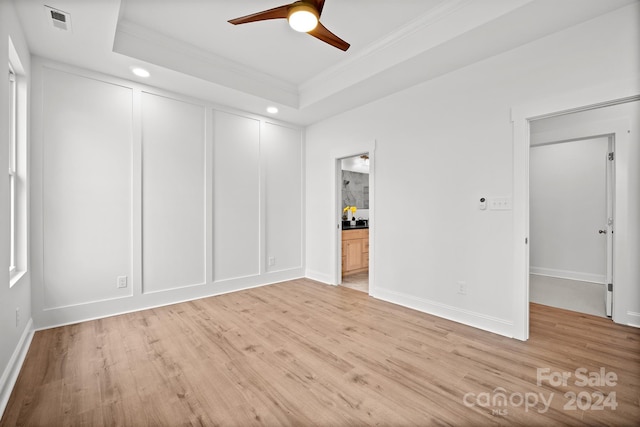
355	227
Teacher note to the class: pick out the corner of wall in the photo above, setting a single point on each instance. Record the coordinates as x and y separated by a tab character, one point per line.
319	277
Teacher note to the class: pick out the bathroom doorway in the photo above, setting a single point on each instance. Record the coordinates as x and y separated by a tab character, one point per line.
354	221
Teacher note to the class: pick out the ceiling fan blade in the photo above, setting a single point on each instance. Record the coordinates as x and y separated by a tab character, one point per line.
275	13
322	33
319	4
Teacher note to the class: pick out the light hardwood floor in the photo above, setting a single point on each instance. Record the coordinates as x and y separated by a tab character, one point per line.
303	353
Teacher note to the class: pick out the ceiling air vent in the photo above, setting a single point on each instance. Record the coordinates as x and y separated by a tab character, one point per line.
59	19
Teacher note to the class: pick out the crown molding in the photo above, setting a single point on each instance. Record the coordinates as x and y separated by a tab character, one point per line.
439	25
417	24
426	32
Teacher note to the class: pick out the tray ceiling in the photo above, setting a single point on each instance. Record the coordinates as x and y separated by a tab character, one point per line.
190	48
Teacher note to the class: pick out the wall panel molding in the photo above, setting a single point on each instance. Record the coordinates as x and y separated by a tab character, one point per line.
173	193
184	131
86	182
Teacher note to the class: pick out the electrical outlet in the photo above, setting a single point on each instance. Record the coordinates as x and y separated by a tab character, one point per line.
17	316
122	281
272	261
462	287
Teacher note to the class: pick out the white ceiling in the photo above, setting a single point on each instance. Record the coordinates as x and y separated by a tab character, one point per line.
190	48
271	47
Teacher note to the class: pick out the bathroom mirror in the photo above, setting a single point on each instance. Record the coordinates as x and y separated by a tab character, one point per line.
355	189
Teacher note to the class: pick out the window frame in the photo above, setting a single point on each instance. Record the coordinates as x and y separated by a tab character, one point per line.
13	170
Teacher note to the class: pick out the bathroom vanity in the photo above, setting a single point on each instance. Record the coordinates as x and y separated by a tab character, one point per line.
355	249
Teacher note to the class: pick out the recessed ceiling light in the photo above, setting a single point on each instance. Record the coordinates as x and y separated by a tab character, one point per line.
140	72
272	110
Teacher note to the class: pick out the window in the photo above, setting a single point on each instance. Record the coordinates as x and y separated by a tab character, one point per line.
13	148
17	167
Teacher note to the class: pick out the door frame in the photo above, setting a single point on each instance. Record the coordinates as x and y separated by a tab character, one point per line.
521	116
336	211
610	184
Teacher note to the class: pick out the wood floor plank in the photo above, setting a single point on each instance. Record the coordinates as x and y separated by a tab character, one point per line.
303	353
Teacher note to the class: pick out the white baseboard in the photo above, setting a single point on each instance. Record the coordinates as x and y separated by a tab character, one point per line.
466	317
53	318
567	274
319	277
633	319
10	374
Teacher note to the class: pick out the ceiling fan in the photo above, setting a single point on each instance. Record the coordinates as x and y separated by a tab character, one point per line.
303	16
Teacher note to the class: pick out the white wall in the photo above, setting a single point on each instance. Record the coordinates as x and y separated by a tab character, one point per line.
181	197
459	132
568	205
14	336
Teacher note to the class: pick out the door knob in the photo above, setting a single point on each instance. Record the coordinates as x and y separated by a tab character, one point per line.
602	231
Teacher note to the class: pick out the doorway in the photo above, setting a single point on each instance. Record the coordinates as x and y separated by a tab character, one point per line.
354	220
571	220
598	115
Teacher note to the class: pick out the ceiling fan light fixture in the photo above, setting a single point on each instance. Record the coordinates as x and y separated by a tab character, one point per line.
303	17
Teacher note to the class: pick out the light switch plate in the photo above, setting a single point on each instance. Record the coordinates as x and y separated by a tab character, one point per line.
500	204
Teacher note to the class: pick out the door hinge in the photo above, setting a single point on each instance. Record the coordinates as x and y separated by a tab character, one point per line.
611	156
610	287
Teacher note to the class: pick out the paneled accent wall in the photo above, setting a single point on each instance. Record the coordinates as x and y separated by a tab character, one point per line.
181	198
173	193
86	179
236	191
283	214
